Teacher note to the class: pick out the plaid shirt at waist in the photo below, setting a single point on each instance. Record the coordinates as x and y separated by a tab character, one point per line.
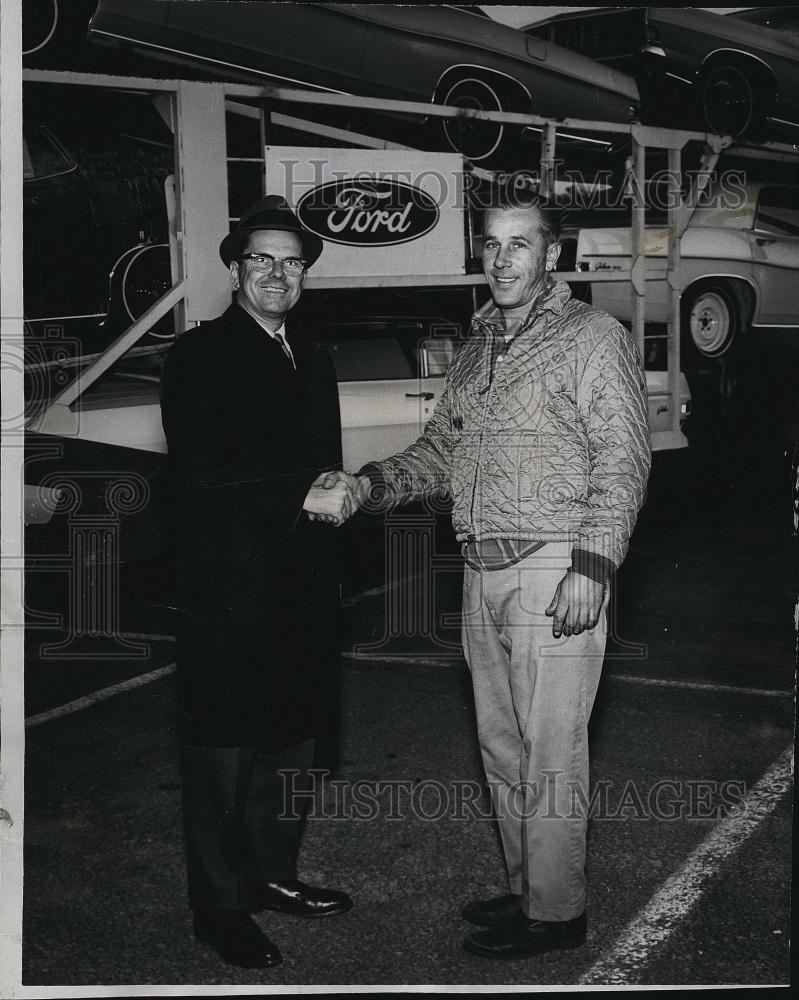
497	553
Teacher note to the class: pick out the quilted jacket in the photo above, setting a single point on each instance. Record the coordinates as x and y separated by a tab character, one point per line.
552	445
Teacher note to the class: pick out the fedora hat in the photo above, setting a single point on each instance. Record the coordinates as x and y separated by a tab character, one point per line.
271	212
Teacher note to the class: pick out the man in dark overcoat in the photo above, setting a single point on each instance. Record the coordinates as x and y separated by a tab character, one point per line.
252	424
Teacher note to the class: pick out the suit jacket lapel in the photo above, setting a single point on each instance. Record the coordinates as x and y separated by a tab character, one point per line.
243	325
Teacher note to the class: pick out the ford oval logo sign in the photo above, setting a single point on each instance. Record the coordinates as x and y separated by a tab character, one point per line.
368	213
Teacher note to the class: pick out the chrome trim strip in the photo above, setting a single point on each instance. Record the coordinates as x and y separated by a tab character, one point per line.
483	69
739	52
676	76
52	319
782	121
219	62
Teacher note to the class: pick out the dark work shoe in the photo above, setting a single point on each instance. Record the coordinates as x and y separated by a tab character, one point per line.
491	912
236	938
526	938
300	900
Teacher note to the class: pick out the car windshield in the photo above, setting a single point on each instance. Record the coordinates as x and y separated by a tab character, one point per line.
782	18
469	9
44	156
778	211
361	359
388	349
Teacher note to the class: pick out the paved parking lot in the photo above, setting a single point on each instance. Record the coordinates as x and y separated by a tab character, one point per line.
690	845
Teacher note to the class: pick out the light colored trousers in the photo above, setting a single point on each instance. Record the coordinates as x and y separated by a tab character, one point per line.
533	697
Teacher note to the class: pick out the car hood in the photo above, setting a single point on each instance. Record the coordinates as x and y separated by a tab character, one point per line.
445	22
724	29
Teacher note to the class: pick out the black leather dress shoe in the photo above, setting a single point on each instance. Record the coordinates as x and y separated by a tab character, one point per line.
236	938
491	912
300	900
526	938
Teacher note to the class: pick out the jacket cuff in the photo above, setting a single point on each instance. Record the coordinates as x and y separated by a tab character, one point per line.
288	503
377	484
593	565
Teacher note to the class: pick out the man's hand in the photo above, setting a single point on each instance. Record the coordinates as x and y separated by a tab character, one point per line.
576	605
355	492
358	485
332	504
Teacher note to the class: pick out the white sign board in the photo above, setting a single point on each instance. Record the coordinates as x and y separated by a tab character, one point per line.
381	212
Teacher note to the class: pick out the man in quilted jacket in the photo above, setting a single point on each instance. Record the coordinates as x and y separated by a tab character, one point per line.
540	437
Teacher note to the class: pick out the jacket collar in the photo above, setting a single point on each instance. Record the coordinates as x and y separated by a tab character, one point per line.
241	319
552	299
239	322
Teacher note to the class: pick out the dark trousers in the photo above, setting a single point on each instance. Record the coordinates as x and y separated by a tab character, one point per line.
242	823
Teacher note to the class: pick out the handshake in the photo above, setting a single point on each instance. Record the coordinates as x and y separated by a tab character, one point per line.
335	496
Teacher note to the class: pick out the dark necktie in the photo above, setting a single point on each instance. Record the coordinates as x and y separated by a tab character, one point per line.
285	347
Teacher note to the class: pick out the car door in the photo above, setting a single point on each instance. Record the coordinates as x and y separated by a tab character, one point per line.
390	376
775	256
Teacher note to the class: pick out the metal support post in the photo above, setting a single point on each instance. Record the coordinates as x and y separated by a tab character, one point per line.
546	186
203	197
673	282
265	126
636	181
707	165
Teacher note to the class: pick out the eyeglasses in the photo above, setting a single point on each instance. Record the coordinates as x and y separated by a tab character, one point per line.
266	262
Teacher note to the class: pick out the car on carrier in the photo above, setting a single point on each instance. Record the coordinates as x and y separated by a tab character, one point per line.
739	268
440	53
735	73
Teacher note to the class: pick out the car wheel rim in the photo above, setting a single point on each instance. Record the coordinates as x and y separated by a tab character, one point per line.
710	324
476	140
38	24
728	101
146	278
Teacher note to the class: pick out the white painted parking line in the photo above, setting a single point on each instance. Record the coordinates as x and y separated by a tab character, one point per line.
674	901
146	637
698	686
420	661
98	696
439	661
402	658
384	588
450	660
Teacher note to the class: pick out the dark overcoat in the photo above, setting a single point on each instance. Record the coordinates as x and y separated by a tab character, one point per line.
258	581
